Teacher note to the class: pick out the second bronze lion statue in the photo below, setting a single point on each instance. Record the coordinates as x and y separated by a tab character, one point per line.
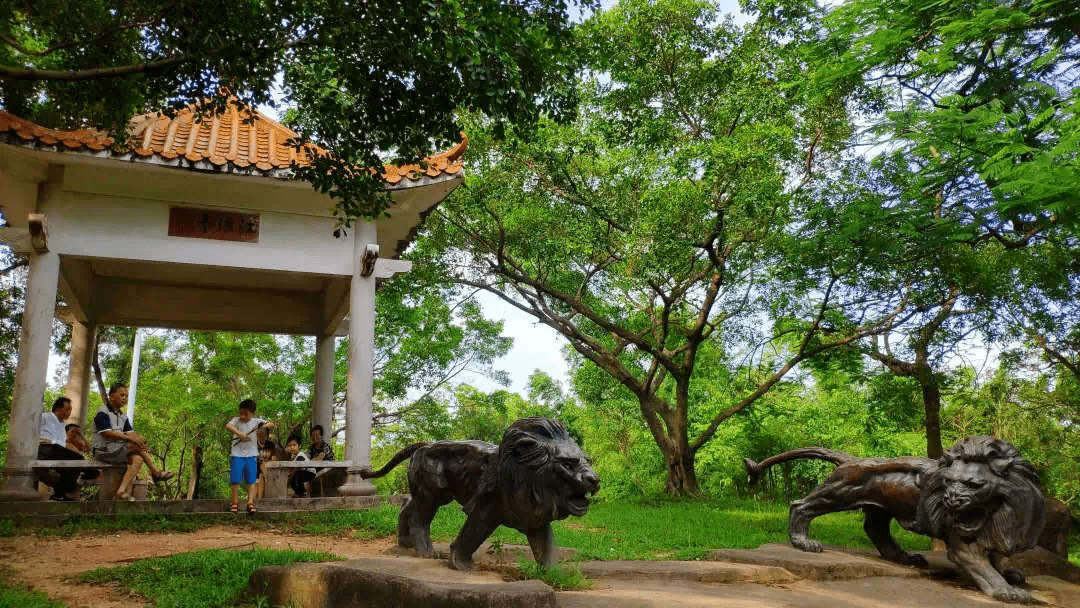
536	475
981	498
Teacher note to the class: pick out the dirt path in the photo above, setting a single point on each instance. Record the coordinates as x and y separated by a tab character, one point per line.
47	564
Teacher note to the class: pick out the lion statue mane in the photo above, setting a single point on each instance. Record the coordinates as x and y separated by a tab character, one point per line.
985	501
537	474
982	498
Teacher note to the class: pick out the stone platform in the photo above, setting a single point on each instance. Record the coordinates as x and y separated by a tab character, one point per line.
772	576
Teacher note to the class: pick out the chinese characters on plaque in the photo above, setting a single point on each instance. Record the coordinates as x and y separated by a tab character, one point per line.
214	224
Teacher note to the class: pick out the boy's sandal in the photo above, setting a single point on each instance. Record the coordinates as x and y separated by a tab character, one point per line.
164	476
251	508
234	508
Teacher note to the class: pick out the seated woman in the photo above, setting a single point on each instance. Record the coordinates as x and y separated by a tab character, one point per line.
115	442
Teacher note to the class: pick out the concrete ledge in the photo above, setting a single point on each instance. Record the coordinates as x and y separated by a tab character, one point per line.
47	511
825	566
401	582
701	572
488	556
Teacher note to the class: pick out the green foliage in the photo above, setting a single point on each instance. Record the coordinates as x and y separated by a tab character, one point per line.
361	78
641	231
215	577
1038	414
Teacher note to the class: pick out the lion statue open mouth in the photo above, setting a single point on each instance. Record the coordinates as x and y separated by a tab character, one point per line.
982	498
536	475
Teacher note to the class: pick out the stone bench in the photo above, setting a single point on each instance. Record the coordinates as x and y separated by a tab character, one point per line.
108	481
278	472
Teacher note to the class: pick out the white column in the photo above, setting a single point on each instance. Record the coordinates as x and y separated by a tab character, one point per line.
360	387
30	373
79	359
133	382
323	400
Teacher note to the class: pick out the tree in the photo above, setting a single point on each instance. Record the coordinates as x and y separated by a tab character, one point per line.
645	229
427	334
361	77
12	272
978	169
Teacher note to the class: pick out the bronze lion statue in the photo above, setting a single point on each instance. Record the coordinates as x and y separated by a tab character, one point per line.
536	475
982	498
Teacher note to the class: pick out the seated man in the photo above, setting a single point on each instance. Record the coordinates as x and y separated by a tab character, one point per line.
51	439
115	442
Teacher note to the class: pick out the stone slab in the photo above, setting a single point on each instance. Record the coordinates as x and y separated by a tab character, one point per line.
495	557
400	582
828	565
405	582
874	592
701	572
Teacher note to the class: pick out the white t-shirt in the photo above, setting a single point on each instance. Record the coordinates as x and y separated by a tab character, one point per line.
52	430
245	449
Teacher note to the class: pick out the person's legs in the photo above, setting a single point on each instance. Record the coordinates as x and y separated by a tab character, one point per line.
155	473
135	463
296	484
66	480
251	474
236	476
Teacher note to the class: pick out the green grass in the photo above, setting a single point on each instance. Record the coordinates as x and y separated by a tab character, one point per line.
12	596
675	529
561	577
150	523
209	579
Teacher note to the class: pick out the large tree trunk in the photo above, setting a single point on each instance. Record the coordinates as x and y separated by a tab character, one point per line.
669	433
682	480
931	392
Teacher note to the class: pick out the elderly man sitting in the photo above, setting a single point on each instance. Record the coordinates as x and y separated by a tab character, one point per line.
52	437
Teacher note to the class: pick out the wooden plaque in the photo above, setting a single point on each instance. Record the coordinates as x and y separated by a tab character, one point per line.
214	224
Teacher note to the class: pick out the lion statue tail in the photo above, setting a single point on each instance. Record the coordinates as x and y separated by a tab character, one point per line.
755	469
398	458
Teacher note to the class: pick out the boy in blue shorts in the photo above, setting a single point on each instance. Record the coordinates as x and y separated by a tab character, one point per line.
244	457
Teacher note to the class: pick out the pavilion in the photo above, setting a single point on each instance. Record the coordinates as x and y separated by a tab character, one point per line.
196	225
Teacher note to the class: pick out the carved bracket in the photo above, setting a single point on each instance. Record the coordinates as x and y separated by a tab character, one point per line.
367	263
39	232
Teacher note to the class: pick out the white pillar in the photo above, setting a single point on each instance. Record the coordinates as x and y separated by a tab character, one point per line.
30	375
79	359
133	382
322	405
360	387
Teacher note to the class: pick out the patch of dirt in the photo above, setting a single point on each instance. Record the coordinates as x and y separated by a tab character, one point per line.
51	565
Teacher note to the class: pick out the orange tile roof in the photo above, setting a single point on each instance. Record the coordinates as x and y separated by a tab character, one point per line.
234	141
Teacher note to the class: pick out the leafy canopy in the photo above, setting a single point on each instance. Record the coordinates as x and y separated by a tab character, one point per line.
362	77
